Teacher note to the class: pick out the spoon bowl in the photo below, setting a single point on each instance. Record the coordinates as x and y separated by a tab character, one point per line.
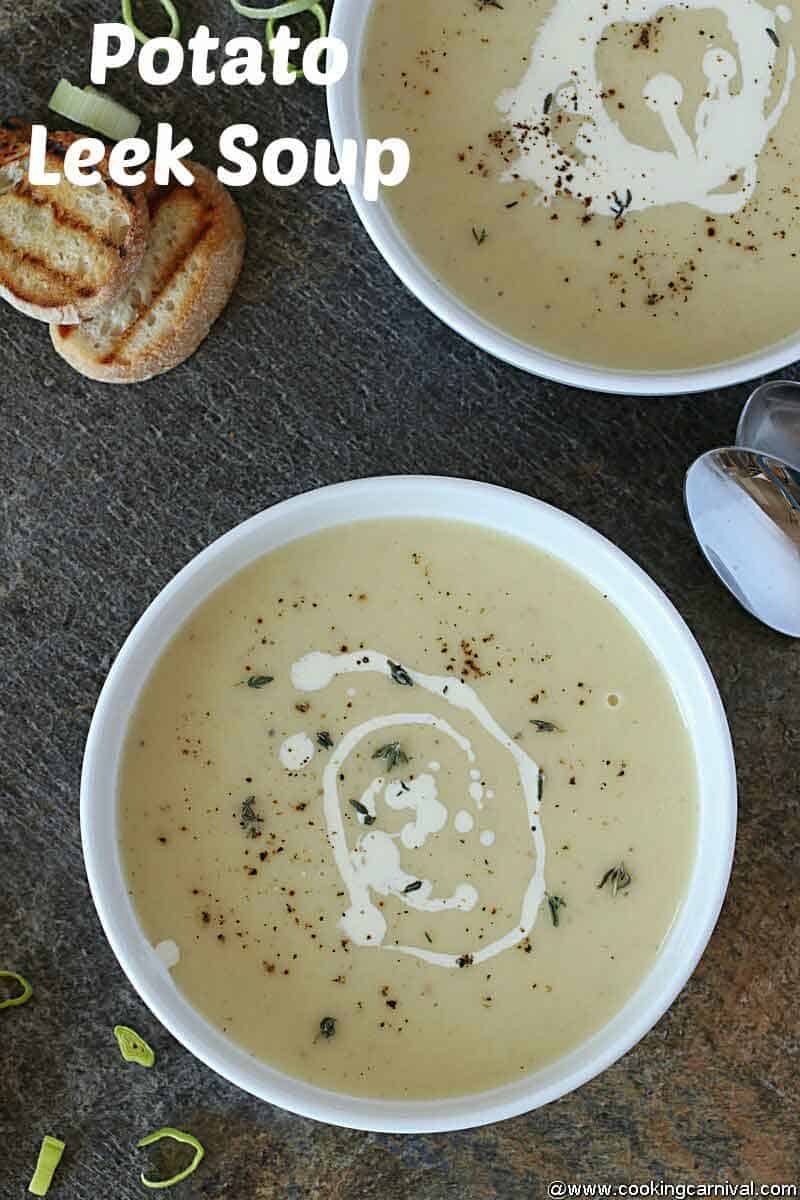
744	508
770	421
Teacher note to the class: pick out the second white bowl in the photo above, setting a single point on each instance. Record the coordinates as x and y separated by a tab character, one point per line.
645	607
349	22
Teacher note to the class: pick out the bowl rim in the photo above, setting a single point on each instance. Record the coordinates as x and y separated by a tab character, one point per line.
349	22
492	507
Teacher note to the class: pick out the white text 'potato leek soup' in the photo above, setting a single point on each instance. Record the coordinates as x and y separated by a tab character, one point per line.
613	183
408	808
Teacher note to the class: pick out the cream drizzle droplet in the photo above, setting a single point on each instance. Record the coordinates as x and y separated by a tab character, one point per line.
421	796
296	752
169	953
464	821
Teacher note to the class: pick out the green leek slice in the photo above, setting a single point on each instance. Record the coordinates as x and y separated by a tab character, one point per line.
177	1136
49	1157
322	21
279	12
132	1047
169	9
275	12
88	107
25	994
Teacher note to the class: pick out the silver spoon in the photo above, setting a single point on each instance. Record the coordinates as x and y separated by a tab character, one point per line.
744	508
770	421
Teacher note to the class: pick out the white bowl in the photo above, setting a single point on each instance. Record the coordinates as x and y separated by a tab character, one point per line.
644	605
349	22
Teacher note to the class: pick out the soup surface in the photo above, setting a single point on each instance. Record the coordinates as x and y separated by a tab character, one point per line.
615	183
370	792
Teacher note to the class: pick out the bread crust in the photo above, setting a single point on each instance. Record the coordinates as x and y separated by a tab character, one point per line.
215	257
14	150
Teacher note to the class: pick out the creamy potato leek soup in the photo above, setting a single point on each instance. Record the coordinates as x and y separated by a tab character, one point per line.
407	808
614	182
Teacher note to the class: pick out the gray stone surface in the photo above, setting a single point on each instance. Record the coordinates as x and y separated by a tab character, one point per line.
324	368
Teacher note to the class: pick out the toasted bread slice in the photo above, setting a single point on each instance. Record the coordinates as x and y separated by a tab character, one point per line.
193	259
66	252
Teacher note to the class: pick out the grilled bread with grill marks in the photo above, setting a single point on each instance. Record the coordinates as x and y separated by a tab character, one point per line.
191	264
66	252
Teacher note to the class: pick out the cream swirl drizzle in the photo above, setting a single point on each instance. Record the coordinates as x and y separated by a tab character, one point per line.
374	863
612	175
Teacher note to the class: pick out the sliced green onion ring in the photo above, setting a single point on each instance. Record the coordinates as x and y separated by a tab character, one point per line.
50	1153
177	1136
25	994
169	9
86	106
317	11
132	1047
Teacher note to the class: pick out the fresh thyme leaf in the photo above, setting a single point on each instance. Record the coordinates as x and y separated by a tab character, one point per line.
363	811
393	752
249	819
619	877
428	938
546	727
548	103
556	903
412	887
619	207
324	740
327	1027
400	675
772	35
540	789
480	235
259	681
484	4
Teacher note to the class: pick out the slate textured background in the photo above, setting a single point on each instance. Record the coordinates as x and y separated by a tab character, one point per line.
324	368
